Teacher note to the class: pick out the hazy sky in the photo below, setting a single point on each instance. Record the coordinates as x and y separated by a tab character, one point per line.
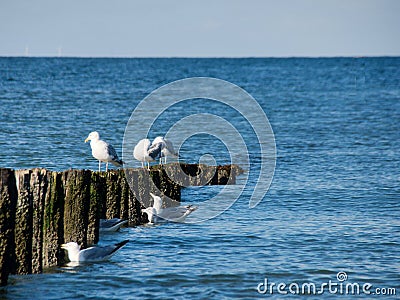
228	28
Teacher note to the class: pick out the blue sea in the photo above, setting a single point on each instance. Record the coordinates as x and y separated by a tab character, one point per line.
330	218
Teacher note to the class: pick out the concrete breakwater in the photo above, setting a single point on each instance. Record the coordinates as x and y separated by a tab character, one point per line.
41	209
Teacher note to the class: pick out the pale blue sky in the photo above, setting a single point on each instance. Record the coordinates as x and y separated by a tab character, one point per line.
216	28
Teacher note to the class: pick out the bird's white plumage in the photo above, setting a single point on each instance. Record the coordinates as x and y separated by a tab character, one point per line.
151	214
157	203
91	254
102	151
157	214
144	151
176	214
167	148
140	152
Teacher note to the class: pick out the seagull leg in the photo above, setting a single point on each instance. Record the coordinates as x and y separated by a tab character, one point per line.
165	159
148	165
142	165
99	165
106	166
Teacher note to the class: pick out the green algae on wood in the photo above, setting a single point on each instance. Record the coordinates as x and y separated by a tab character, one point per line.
76	205
41	209
53	215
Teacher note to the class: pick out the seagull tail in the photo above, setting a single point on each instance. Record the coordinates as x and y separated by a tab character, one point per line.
192	208
119	245
117	162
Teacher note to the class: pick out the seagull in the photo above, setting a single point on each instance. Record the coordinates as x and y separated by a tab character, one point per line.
172	214
95	253
145	152
167	148
157	214
103	151
111	225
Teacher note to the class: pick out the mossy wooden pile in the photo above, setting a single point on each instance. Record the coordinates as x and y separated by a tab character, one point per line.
41	209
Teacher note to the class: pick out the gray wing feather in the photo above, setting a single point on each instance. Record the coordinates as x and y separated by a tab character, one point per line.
114	156
111	224
176	212
170	147
96	253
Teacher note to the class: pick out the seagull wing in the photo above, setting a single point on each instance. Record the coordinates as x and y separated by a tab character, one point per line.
111	224
177	214
155	150
98	253
114	156
170	148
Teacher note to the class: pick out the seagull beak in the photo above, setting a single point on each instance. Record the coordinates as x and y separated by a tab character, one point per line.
87	139
64	246
151	194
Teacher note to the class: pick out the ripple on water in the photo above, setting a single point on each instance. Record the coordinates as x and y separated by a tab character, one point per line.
332	206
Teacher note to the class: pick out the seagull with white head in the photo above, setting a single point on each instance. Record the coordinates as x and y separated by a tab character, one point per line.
103	151
157	214
91	254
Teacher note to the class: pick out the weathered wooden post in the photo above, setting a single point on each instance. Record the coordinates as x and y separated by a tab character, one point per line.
23	224
53	214
8	201
113	195
76	205
98	191
38	187
42	209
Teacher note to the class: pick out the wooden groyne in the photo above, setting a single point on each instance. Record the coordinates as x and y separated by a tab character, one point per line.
41	209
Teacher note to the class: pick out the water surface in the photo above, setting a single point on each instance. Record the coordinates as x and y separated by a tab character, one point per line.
333	204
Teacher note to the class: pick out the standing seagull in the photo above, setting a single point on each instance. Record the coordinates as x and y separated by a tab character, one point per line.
103	151
167	148
95	253
145	152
